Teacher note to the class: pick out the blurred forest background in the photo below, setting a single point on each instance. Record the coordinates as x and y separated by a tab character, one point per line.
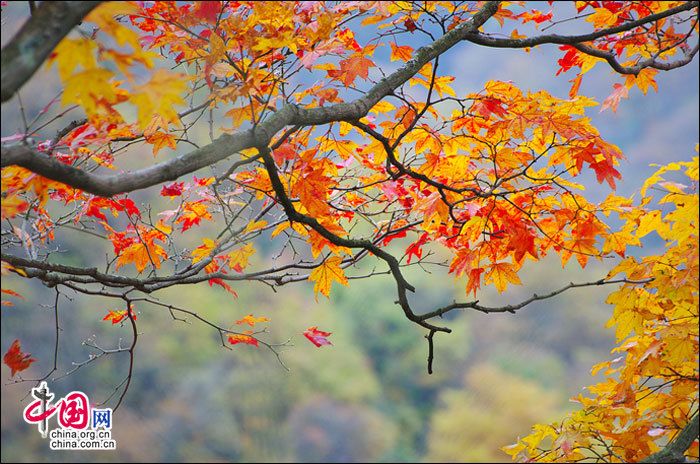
367	397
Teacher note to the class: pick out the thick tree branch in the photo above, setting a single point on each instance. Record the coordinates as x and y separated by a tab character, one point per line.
675	450
401	284
578	41
226	145
30	47
481	39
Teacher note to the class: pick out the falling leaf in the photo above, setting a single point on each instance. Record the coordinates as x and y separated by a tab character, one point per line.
317	337
7	291
614	98
16	360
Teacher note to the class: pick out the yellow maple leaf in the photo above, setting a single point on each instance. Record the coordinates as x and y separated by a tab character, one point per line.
619	241
603	18
326	273
238	259
104	16
295	226
643	80
160	96
653	222
142	255
203	251
255	225
252	320
86	87
71	53
382	107
12	206
500	274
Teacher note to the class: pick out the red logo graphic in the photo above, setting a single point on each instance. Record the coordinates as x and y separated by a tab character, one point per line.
73	409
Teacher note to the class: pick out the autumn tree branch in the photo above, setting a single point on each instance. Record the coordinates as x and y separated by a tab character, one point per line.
579	42
514	307
488	41
675	450
29	48
226	145
648	63
402	285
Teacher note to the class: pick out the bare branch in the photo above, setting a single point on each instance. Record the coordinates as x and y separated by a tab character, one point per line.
512	308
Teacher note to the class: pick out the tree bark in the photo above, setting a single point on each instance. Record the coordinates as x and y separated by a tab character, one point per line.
30	47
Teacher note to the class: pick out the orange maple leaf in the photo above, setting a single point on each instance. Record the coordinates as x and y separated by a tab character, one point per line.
501	274
16	360
235	339
116	316
351	68
192	214
252	320
160	140
401	52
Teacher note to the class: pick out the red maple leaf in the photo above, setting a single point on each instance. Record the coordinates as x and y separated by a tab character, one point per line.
16	360
390	237
416	248
536	16
522	242
569	60
410	25
207	11
116	316
604	170
235	339
172	190
317	337
586	154
487	106
285	152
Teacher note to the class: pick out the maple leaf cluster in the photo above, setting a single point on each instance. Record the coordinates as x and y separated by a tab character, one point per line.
652	382
326	147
